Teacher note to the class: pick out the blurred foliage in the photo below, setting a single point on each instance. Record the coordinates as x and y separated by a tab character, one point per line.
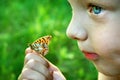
23	21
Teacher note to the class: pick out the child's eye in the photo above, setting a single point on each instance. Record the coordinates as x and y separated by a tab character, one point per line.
95	9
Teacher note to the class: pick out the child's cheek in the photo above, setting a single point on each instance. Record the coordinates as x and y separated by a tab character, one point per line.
105	45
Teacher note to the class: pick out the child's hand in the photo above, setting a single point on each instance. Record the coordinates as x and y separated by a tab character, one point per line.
37	67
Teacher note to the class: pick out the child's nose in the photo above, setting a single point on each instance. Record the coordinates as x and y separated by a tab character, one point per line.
76	31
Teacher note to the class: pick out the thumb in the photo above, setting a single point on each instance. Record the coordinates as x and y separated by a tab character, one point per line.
58	76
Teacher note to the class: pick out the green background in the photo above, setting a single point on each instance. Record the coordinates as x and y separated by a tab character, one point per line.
23	21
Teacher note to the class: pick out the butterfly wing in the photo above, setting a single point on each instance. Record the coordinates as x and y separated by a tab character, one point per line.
41	45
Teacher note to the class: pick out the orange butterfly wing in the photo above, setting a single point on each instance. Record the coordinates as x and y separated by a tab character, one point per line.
41	45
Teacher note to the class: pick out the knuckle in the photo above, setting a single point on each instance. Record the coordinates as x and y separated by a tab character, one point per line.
28	56
31	75
25	71
36	58
31	63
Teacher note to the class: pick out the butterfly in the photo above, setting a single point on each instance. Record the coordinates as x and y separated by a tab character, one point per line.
41	45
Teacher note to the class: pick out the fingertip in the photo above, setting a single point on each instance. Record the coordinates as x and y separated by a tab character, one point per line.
28	50
58	76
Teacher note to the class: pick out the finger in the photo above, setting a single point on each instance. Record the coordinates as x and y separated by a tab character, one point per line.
36	58
28	50
58	76
37	66
52	67
29	74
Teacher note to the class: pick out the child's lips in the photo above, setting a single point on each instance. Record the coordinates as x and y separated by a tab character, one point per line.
90	55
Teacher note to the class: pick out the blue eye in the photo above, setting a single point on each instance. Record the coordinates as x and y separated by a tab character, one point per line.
95	9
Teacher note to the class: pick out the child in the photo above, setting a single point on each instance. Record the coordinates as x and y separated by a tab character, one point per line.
95	25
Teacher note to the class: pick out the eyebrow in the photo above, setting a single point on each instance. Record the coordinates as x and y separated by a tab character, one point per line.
109	4
112	2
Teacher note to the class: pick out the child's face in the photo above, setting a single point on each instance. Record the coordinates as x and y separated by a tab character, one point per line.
95	25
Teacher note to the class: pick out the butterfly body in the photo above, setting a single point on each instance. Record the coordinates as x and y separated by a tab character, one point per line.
41	45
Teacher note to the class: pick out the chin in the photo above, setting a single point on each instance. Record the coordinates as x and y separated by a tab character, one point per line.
109	71
107	68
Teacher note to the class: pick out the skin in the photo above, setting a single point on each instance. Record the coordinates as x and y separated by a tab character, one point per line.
36	67
98	33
